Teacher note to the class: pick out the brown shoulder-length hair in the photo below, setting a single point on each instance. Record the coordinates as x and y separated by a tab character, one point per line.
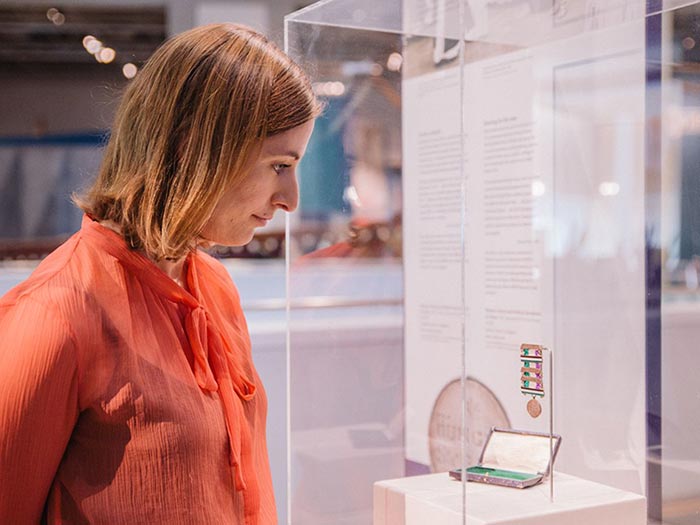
188	122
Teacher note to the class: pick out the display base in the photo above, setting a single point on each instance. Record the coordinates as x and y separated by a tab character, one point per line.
437	499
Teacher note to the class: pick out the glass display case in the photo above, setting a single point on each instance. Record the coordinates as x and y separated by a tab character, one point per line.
498	229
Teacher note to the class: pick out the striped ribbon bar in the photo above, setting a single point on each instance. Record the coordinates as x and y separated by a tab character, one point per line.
532	392
531	380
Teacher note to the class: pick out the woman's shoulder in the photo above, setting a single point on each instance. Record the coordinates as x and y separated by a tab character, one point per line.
62	279
45	274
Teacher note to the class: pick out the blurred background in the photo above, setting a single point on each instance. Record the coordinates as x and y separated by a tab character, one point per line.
62	69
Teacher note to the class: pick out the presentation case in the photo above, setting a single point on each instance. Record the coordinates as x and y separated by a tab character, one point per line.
494	173
513	458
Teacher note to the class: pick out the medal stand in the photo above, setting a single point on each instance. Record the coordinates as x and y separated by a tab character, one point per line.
520	458
532	383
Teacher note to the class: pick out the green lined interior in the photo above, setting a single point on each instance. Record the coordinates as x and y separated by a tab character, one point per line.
508	474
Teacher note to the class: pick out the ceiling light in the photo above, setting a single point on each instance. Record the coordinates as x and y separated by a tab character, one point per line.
107	54
129	70
394	62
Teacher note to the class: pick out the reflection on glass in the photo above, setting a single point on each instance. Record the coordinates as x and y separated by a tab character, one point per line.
535	184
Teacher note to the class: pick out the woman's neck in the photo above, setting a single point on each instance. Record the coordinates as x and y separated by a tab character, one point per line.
175	269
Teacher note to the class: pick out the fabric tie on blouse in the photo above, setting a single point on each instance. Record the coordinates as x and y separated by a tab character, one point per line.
216	367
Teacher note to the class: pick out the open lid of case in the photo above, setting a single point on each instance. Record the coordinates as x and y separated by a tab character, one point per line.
519	451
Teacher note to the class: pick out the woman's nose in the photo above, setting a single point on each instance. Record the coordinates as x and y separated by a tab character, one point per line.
287	196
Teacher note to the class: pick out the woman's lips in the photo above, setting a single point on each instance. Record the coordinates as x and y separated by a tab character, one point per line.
262	221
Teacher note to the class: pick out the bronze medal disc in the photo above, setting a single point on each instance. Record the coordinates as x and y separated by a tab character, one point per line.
534	408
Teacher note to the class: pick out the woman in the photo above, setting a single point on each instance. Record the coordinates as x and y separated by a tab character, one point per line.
127	389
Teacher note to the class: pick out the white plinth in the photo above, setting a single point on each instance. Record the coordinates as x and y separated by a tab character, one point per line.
436	499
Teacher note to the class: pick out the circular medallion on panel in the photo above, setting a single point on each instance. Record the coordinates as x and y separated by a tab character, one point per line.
483	411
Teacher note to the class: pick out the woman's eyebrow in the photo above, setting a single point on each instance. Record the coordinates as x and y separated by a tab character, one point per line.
293	154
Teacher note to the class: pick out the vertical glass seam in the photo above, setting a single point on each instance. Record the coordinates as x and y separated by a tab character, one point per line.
463	293
287	349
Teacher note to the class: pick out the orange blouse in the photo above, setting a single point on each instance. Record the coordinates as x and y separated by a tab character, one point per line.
126	399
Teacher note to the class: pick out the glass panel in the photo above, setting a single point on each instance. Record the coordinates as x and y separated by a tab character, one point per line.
677	149
345	279
382	16
595	154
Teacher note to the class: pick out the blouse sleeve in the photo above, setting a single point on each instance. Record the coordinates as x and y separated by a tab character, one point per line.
38	405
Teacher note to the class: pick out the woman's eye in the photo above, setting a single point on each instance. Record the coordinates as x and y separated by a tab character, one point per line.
280	167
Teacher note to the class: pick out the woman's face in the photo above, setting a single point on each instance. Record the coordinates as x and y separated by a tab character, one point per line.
268	183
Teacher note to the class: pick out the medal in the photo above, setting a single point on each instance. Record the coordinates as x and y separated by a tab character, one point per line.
534	408
531	380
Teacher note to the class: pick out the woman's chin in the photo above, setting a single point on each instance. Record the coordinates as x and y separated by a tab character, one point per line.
239	241
230	241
